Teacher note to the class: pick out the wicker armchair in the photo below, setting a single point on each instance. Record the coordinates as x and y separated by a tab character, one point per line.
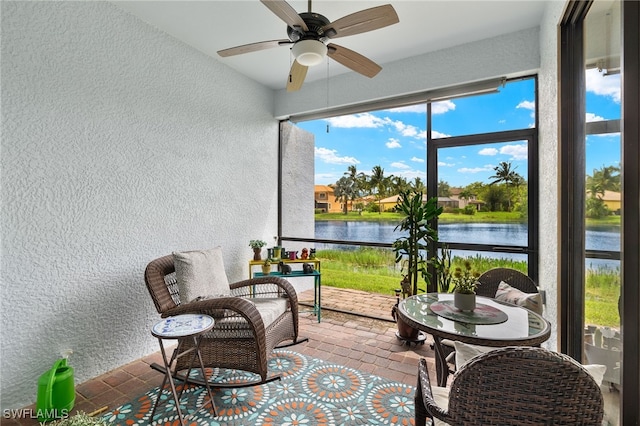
240	339
513	386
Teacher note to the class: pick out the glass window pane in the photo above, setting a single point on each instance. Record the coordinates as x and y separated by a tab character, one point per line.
483	189
513	107
602	338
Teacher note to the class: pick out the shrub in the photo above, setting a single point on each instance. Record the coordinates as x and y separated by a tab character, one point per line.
469	209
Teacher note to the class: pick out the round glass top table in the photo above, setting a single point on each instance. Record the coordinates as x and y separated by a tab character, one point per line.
522	327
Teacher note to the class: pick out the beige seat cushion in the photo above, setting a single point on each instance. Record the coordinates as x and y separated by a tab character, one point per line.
270	308
441	397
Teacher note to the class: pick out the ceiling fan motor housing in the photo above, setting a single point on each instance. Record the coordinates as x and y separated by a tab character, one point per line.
315	24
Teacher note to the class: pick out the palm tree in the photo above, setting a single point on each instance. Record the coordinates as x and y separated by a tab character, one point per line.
504	174
377	181
418	185
357	181
605	179
399	184
344	191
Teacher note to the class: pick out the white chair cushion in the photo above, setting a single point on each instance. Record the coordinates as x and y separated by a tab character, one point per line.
200	274
531	301
465	352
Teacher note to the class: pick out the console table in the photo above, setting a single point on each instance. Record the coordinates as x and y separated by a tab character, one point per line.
316	274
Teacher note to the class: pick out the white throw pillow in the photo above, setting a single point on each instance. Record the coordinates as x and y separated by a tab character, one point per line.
200	273
465	352
596	371
531	301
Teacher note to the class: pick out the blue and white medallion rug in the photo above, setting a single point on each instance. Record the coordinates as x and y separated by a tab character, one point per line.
311	392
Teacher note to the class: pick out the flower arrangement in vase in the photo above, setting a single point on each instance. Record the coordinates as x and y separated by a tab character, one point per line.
257	245
464	292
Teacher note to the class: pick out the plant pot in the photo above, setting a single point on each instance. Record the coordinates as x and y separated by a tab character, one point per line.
257	253
465	302
266	270
405	331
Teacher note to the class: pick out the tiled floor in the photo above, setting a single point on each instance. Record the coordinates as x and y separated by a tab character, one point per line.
362	342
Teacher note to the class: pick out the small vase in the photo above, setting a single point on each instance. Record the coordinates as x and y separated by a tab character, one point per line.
464	302
266	270
256	253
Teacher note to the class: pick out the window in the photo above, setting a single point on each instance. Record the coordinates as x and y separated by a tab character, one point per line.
369	157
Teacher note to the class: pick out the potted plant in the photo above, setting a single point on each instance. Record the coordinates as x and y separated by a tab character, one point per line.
257	245
411	249
266	266
464	292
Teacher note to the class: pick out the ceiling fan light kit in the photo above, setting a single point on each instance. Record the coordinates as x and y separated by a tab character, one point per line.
309	52
309	32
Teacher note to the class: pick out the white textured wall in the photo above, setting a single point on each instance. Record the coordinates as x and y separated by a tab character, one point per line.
514	54
119	145
549	167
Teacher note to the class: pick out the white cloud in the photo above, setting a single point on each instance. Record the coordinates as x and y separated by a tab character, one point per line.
530	105
417	160
410	175
437	135
442	107
443	164
486	168
603	85
404	129
400	165
488	151
393	143
517	152
592	117
364	120
330	156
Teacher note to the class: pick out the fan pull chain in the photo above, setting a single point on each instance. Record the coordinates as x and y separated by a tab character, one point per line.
327	88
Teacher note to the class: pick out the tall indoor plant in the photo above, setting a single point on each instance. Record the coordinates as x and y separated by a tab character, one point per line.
411	248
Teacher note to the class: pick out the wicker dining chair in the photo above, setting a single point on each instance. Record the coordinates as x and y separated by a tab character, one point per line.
488	283
240	339
490	280
512	386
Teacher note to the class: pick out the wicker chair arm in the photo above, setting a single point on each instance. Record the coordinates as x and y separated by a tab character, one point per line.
284	286
427	394
217	306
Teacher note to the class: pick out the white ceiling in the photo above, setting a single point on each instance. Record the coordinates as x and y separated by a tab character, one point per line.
424	26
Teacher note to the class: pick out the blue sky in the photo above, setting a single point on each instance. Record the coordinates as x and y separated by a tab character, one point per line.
396	139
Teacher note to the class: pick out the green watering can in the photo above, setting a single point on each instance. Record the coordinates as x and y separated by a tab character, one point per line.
56	392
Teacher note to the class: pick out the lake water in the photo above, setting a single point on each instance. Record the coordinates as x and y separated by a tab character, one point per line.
597	238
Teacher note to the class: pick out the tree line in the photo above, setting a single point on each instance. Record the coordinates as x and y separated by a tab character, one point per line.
505	192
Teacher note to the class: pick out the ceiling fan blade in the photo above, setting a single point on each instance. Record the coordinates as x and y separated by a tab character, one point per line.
252	47
363	21
284	11
353	60
296	77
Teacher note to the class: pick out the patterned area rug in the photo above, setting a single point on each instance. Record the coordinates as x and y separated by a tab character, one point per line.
311	392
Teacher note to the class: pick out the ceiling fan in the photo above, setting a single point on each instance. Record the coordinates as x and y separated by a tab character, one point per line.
310	33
